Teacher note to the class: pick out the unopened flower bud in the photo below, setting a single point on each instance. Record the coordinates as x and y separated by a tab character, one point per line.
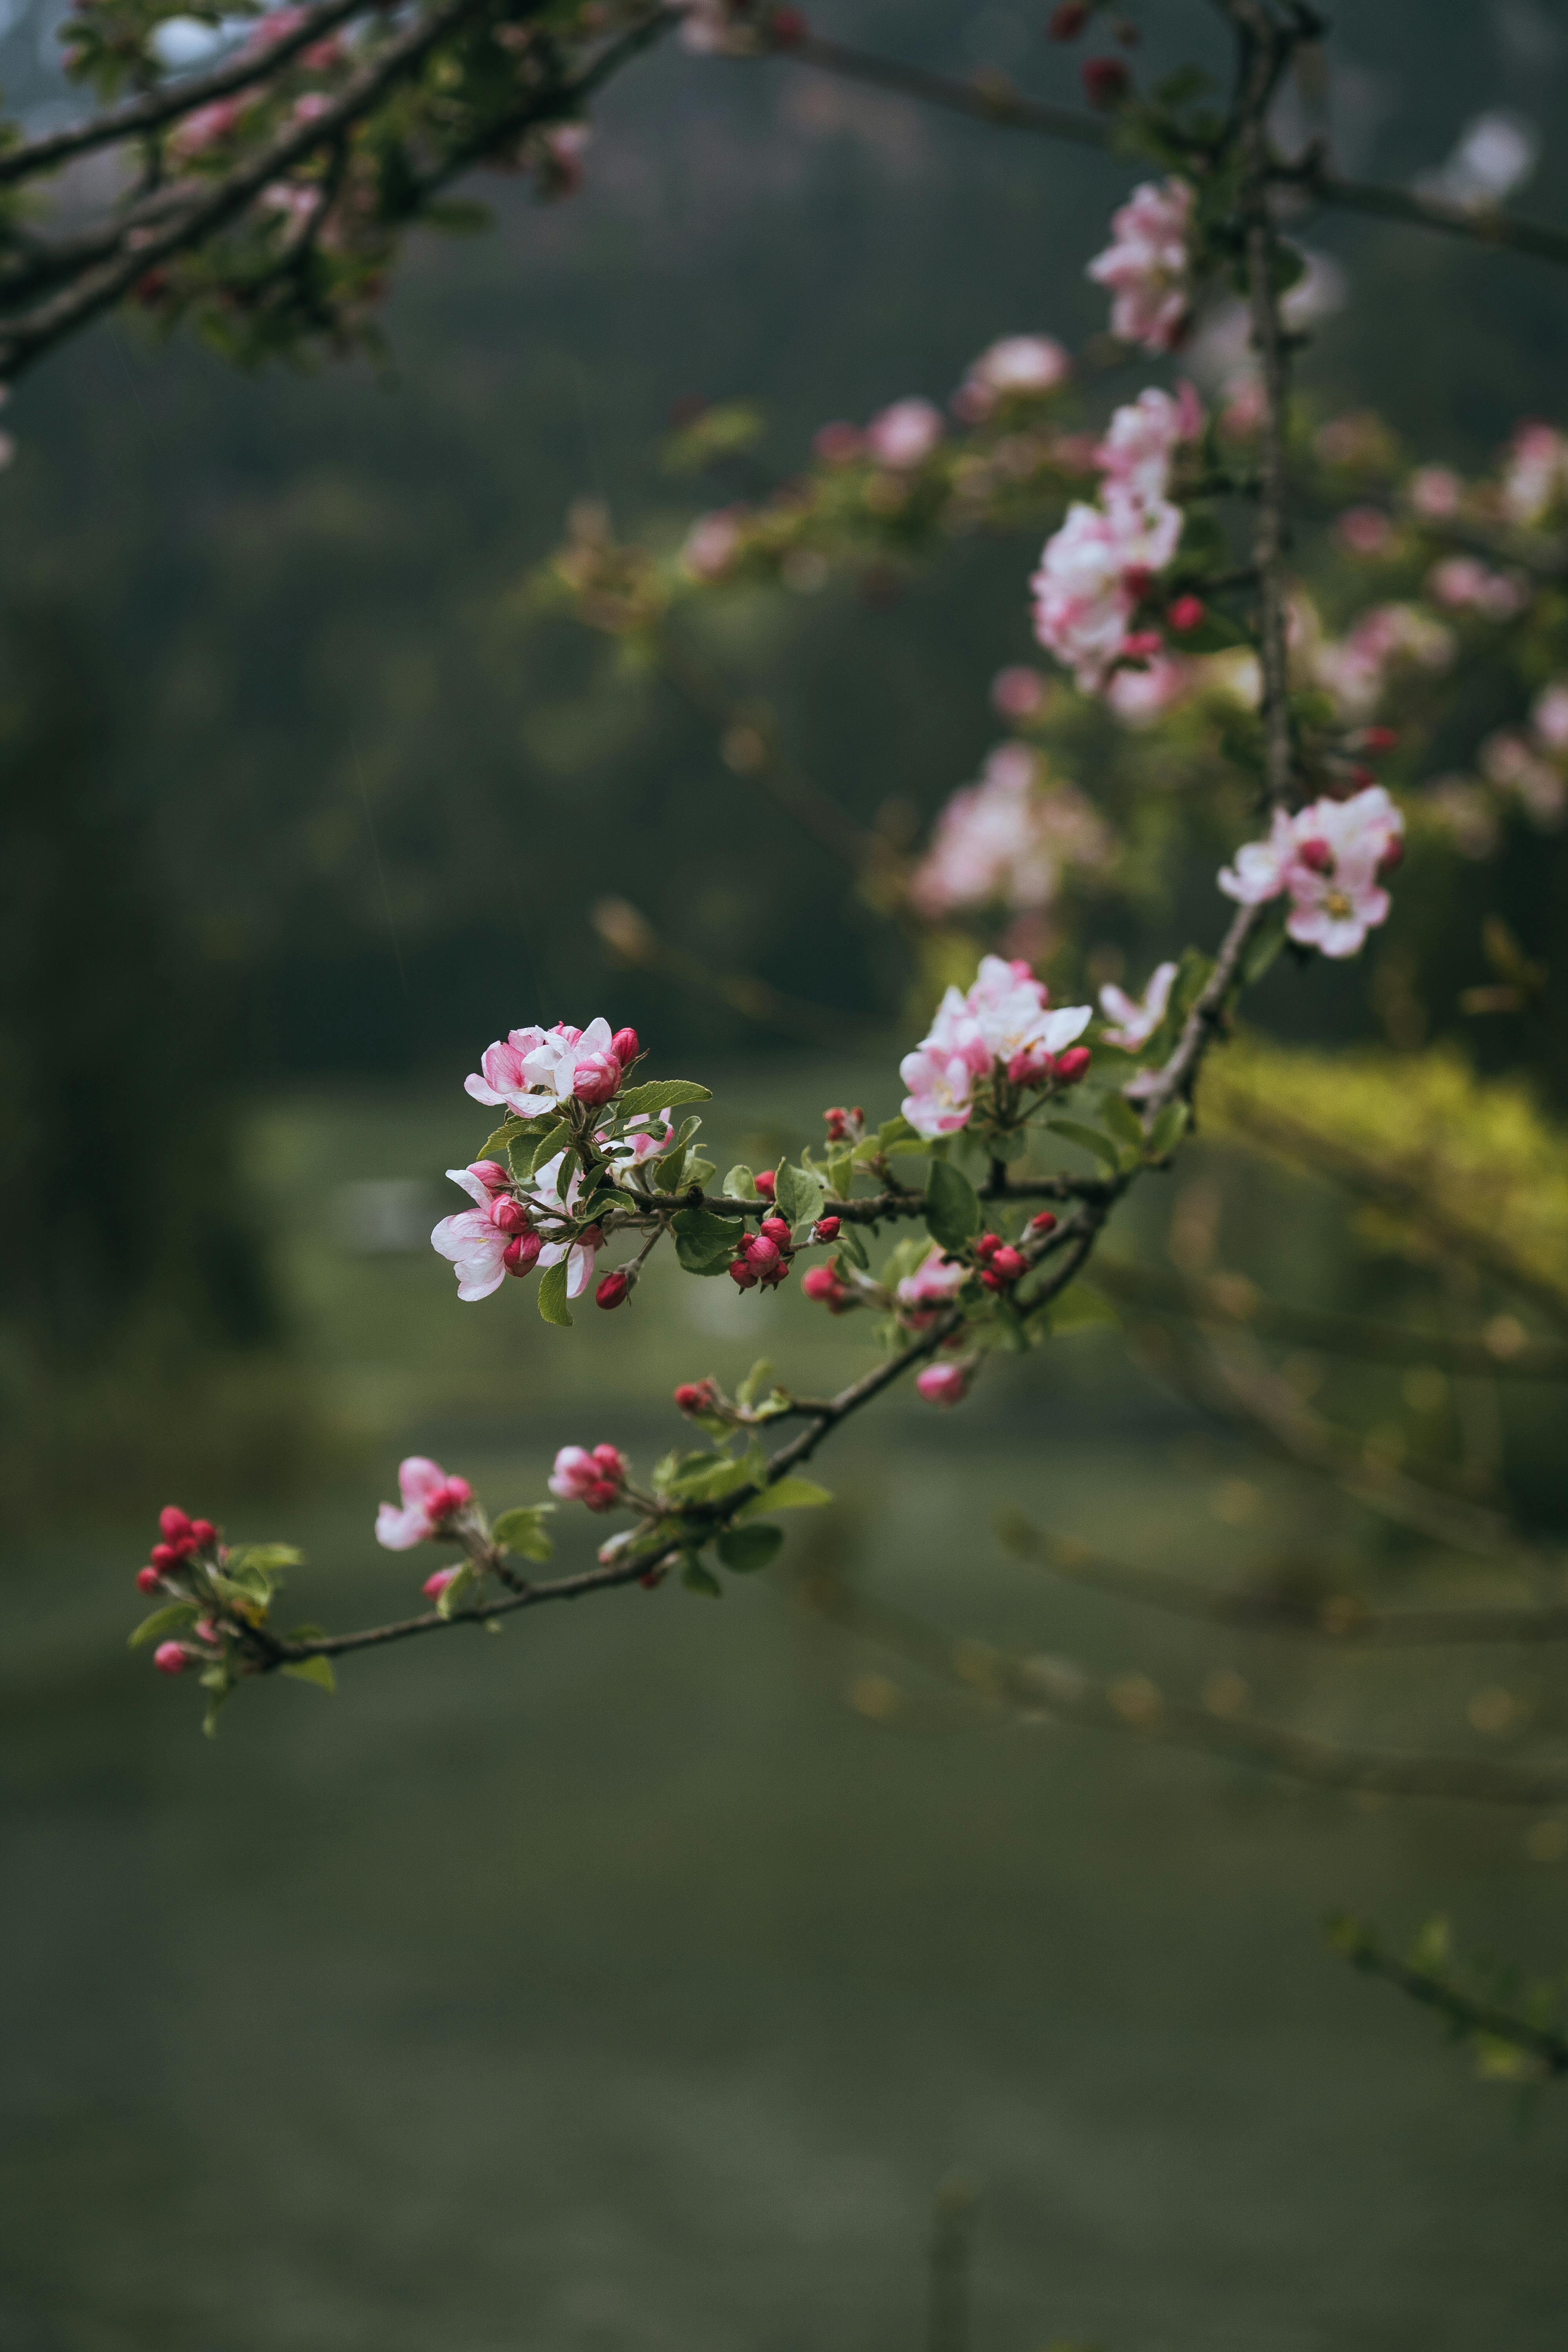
1106	82
612	1461
1186	612
1379	738
787	28
626	1047
171	1658
1137	579
691	1396
204	1533
1142	644
1316	854
597	1078
740	1274
1066	22
764	1181
943	1383
1392	853
762	1255
148	1580
491	1175
1071	1065
164	1557
836	1120
510	1215
825	1229
1032	1067
986	1247
775	1229
520	1253
174	1522
613	1290
1009	1263
1045	1222
434	1586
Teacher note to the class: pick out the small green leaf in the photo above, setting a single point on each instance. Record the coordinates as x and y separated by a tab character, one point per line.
522	1531
1168	1130
757	1381
1122	1121
707	1478
498	1145
1264	945
952	1206
1010	1143
850	1245
739	1185
312	1670
898	1135
168	1620
798	1195
267	1558
704	1242
1081	1307
746	1548
785	1495
544	1147
659	1096
552	1294
699	1171
1089	1139
455	1595
698	1579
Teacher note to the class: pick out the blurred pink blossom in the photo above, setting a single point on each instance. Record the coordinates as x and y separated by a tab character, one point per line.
1146	266
431	1501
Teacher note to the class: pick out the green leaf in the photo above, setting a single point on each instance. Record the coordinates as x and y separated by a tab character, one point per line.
544	1147
1089	1139
840	1169
898	1135
707	1478
267	1558
168	1620
522	1531
498	1145
850	1245
698	1579
746	1548
952	1206
785	1495
312	1670
1010	1143
739	1185
705	1244
1264	945
1081	1307
798	1195
552	1294
635	1101
1168	1130
1122	1121
456	1594
758	1379
699	1171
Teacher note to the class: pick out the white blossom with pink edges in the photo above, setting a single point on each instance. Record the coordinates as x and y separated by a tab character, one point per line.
1136	1018
1330	859
1146	266
1020	366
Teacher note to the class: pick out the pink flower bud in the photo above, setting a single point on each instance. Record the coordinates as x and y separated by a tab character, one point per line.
1046	1222
825	1229
510	1215
148	1580
1106	81
165	1557
762	1255
604	1495
1186	612
822	1283
434	1586
775	1229
612	1291
204	1533
740	1274
519	1255
1379	738
691	1396
943	1383
625	1046
174	1522
169	1658
765	1183
491	1175
1071	1065
1392	853
1009	1263
1141	645
1033	1067
986	1247
597	1078
1316	854
612	1461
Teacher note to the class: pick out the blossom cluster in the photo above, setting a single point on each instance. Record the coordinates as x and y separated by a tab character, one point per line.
998	1038
1006	839
1147	266
1329	860
1099	568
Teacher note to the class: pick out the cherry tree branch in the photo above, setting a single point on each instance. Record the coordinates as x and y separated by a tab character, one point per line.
1467	2016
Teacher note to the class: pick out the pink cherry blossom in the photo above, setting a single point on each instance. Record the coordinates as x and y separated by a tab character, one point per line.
1146	266
471	1238
597	1479
533	1070
904	435
1514	766
1017	693
1007	838
1011	1012
1261	868
1355	669
713	543
1534	475
1329	858
1434	493
934	1281
1020	366
646	1138
1364	531
431	1501
542	1192
206	127
944	1383
1004	1014
1143	436
1137	1018
941	1072
1463	584
712	27
1141	695
1092	574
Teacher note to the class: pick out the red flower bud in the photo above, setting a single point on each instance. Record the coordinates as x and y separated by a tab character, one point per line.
1141	644
604	1496
1316	854
435	1584
1045	1222
608	1458
740	1274
1065	23
204	1533
1361	777
1071	1065
169	1658
836	1122
184	1545
1379	738
787	28
165	1557
1009	1263
825	1229
1106	82
762	1255
510	1216
625	1046
822	1283
1137	579
775	1229
986	1247
764	1181
173	1521
148	1580
1185	613
519	1255
692	1395
613	1290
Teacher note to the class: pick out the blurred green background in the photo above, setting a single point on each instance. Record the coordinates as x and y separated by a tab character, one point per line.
634	1978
